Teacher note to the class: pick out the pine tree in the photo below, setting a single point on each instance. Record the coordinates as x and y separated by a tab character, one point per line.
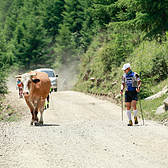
11	18
68	39
30	44
150	16
103	12
4	66
87	30
4	7
51	13
73	15
66	47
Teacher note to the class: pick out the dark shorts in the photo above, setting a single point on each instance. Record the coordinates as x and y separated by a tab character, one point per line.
130	95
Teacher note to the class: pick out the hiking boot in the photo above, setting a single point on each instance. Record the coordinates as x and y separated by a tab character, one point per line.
135	120
130	123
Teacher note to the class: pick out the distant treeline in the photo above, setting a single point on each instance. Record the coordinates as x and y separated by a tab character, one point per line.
37	33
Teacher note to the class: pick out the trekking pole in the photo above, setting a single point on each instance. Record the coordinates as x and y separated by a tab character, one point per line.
122	106
141	109
139	99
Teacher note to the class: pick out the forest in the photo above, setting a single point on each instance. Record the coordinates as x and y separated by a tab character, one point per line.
99	36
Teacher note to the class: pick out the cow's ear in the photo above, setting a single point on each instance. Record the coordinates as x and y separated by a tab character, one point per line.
35	80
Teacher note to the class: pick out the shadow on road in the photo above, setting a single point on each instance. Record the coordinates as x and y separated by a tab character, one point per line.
48	125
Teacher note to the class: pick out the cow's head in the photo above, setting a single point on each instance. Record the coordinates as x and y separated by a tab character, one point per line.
26	80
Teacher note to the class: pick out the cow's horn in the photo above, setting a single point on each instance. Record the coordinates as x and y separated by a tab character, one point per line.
17	76
33	74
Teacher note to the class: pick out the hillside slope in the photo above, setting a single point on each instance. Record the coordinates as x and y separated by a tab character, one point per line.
100	70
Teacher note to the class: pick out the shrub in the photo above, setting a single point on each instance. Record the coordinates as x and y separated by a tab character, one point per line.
160	68
3	81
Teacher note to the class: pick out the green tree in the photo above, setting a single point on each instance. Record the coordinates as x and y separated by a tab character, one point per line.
30	44
73	15
159	68
116	50
4	7
68	40
4	67
103	12
66	46
97	14
87	30
51	13
150	16
11	18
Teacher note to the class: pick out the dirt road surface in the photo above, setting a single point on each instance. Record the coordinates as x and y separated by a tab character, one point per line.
81	131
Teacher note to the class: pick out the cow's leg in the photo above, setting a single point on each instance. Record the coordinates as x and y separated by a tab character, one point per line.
31	107
41	111
36	118
38	103
35	113
31	123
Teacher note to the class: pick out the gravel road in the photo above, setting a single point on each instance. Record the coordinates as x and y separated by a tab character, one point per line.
80	131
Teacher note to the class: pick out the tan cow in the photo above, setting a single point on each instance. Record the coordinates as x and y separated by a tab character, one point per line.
36	87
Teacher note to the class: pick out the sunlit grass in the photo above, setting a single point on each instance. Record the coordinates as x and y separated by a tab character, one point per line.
149	108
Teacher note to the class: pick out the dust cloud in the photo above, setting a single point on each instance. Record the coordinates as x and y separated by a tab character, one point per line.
11	83
70	73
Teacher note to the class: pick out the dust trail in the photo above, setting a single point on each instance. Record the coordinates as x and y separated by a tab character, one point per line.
11	83
68	72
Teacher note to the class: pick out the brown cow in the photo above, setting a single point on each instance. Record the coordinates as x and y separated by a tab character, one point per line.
36	88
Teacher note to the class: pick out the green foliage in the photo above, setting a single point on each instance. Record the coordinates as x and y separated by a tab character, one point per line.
7	113
160	68
106	53
68	40
151	60
30	44
11	18
148	16
116	51
4	65
103	11
88	29
66	46
104	60
51	13
5	4
150	107
73	15
3	80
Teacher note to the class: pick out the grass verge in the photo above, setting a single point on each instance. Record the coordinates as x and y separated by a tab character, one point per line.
7	113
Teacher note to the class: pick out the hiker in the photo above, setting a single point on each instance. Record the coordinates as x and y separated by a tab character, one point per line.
131	82
65	84
46	103
19	86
